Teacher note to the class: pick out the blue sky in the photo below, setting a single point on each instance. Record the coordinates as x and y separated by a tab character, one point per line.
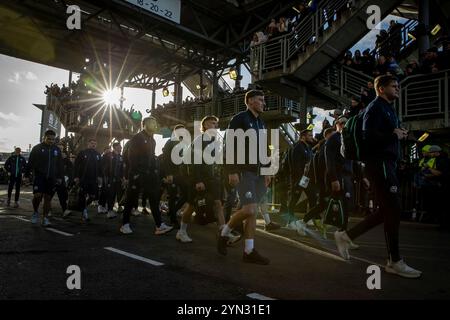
22	83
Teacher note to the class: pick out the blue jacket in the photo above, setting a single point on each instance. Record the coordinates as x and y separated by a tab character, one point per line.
379	123
245	120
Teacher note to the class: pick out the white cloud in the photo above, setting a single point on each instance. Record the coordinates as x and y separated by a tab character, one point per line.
18	76
9	117
30	76
15	79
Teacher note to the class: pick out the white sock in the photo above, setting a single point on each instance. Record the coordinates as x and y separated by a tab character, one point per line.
248	248
266	218
183	226
225	231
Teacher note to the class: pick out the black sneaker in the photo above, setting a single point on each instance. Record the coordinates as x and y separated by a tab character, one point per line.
255	257
222	244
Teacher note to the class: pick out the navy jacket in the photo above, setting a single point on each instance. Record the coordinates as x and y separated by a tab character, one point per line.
334	160
379	123
301	157
245	120
45	161
16	165
88	165
140	155
113	166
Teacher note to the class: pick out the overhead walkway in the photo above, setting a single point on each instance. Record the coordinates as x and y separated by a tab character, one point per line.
287	64
278	110
193	82
423	103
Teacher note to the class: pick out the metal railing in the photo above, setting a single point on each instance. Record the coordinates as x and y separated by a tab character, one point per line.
402	33
289	132
232	105
223	84
425	96
346	80
276	52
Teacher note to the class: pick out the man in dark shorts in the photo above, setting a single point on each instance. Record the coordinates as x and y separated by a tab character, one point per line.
47	166
251	185
205	178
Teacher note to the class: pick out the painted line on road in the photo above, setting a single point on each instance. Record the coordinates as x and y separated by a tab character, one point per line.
258	296
304	246
23	219
59	232
133	256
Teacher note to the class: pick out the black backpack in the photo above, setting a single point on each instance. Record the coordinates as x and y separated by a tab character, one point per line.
353	146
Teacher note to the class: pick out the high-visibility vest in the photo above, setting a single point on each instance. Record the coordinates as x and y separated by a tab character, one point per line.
430	163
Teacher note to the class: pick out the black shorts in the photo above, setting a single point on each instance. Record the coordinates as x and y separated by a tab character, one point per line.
251	188
44	185
213	187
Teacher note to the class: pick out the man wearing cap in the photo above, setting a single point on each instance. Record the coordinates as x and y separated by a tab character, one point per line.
335	165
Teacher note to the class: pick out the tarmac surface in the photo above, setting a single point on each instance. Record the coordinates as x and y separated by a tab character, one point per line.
34	262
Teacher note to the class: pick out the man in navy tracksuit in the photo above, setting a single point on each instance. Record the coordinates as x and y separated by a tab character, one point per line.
382	132
15	165
143	174
251	185
46	163
88	176
114	179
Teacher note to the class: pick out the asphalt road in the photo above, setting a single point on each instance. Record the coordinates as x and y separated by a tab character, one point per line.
34	262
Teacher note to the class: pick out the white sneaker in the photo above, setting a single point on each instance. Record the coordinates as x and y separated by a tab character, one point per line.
125	229
35	218
66	213
163	229
135	213
49	214
300	227
111	215
353	246
183	237
46	222
342	243
233	238
102	209
85	215
402	269
310	223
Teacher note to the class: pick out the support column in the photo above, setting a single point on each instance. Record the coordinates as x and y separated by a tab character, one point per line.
424	26
303	107
215	98
153	98
237	82
121	97
201	83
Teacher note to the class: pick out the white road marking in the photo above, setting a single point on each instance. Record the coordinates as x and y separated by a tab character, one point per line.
23	219
258	296
304	246
60	232
133	256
